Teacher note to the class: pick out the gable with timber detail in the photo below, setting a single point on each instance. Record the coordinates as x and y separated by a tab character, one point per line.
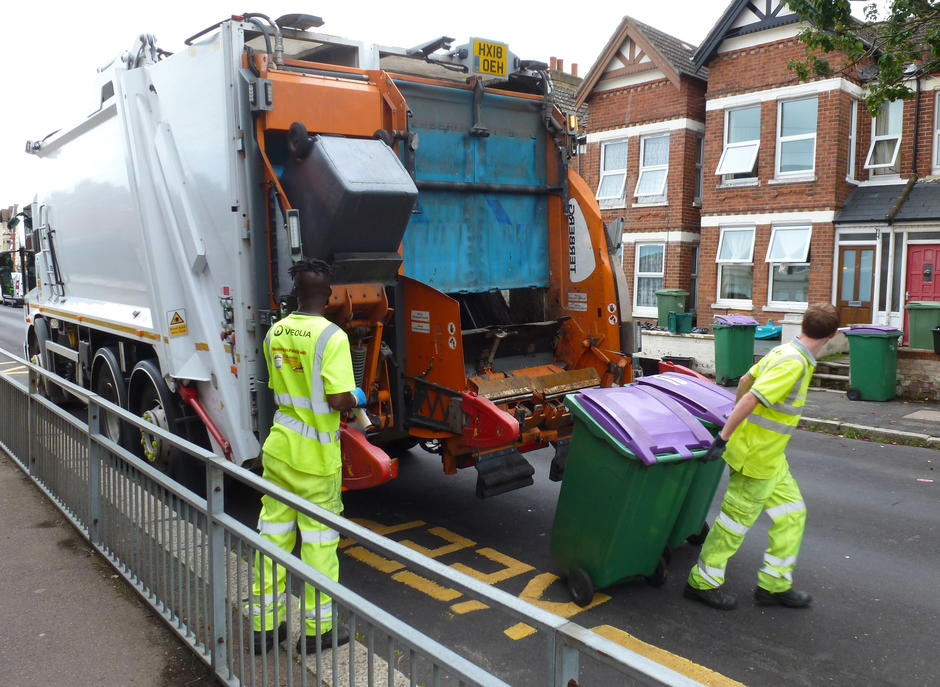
741	18
629	59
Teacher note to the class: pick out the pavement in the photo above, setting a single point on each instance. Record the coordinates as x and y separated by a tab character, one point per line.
70	619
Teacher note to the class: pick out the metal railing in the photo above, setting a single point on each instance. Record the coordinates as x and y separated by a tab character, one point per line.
195	564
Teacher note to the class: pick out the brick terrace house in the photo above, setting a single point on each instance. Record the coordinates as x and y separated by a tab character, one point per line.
807	197
643	155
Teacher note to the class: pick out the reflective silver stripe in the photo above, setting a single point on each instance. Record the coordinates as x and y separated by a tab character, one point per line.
304	429
326	612
779	562
293	401
730	524
276	527
265	604
773	573
319	536
772	425
708	574
784	508
320	406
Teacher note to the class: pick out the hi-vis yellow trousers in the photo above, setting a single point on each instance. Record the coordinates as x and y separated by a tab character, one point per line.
745	499
279	524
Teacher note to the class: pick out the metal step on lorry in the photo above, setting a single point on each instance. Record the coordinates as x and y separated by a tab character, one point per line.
472	272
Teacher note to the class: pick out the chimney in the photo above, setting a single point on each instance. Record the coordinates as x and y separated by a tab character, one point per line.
574	69
551	62
560	65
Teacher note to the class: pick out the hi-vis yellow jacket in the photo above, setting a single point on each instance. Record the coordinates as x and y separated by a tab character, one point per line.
308	358
781	379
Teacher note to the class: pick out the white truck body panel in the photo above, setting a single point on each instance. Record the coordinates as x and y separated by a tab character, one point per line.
163	156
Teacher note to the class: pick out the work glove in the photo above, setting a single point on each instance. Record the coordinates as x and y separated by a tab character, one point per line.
716	450
360	397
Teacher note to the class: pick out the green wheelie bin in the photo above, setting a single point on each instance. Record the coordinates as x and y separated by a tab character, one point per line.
873	362
632	459
734	347
670	300
922	317
712	405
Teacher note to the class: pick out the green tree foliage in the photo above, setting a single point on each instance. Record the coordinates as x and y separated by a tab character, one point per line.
904	44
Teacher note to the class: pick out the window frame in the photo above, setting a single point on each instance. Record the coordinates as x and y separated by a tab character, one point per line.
773	265
773	235
652	197
613	200
734	302
781	139
876	138
853	133
699	184
646	310
935	165
729	177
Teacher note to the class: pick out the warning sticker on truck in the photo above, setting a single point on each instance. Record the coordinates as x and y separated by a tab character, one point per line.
577	301
176	319
421	321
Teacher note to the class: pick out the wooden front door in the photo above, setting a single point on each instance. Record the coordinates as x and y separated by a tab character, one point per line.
921	282
856	283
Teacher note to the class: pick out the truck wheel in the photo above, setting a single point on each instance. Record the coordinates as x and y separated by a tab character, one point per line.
38	356
581	587
108	382
152	400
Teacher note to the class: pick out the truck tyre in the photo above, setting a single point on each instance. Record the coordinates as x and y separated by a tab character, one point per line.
151	399
38	356
108	382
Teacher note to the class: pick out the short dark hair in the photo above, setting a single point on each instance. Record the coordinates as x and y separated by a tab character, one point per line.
314	265
820	320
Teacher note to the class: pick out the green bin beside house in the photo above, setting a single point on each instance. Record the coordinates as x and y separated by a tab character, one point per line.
734	347
922	317
873	362
670	300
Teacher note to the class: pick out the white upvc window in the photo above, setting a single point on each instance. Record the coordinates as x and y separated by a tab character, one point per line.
654	168
613	171
853	127
936	135
886	139
648	276
742	142
788	258
796	137
699	170
693	280
736	266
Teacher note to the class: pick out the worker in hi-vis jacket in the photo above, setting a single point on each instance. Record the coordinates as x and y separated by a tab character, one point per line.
310	372
769	403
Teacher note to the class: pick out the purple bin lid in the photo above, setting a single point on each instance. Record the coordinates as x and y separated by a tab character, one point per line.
735	319
873	329
705	400
645	421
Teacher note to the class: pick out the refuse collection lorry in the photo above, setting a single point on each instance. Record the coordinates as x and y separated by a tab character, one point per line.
472	271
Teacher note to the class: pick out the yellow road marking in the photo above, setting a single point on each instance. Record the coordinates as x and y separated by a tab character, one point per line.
533	594
379	528
374	560
511	569
468	607
429	587
666	658
456	543
14	370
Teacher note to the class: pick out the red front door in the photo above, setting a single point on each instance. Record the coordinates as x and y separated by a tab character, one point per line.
922	283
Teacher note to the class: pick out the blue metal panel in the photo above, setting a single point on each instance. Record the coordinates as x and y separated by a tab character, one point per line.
474	241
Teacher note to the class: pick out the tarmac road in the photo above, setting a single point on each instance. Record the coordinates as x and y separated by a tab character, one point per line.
869	557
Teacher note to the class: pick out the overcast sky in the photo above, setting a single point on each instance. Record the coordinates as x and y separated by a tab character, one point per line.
51	50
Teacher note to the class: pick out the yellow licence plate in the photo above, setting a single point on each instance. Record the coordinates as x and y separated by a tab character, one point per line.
489	58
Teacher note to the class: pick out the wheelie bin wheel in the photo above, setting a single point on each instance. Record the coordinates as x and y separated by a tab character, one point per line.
580	587
658	578
667	554
724	381
699	539
854	394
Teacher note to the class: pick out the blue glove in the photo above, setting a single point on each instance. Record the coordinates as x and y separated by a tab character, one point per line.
360	397
715	451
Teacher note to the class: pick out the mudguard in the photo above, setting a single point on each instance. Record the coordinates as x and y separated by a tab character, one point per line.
364	464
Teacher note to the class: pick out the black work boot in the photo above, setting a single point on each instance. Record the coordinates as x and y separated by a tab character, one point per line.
264	641
716	597
791	598
307	644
